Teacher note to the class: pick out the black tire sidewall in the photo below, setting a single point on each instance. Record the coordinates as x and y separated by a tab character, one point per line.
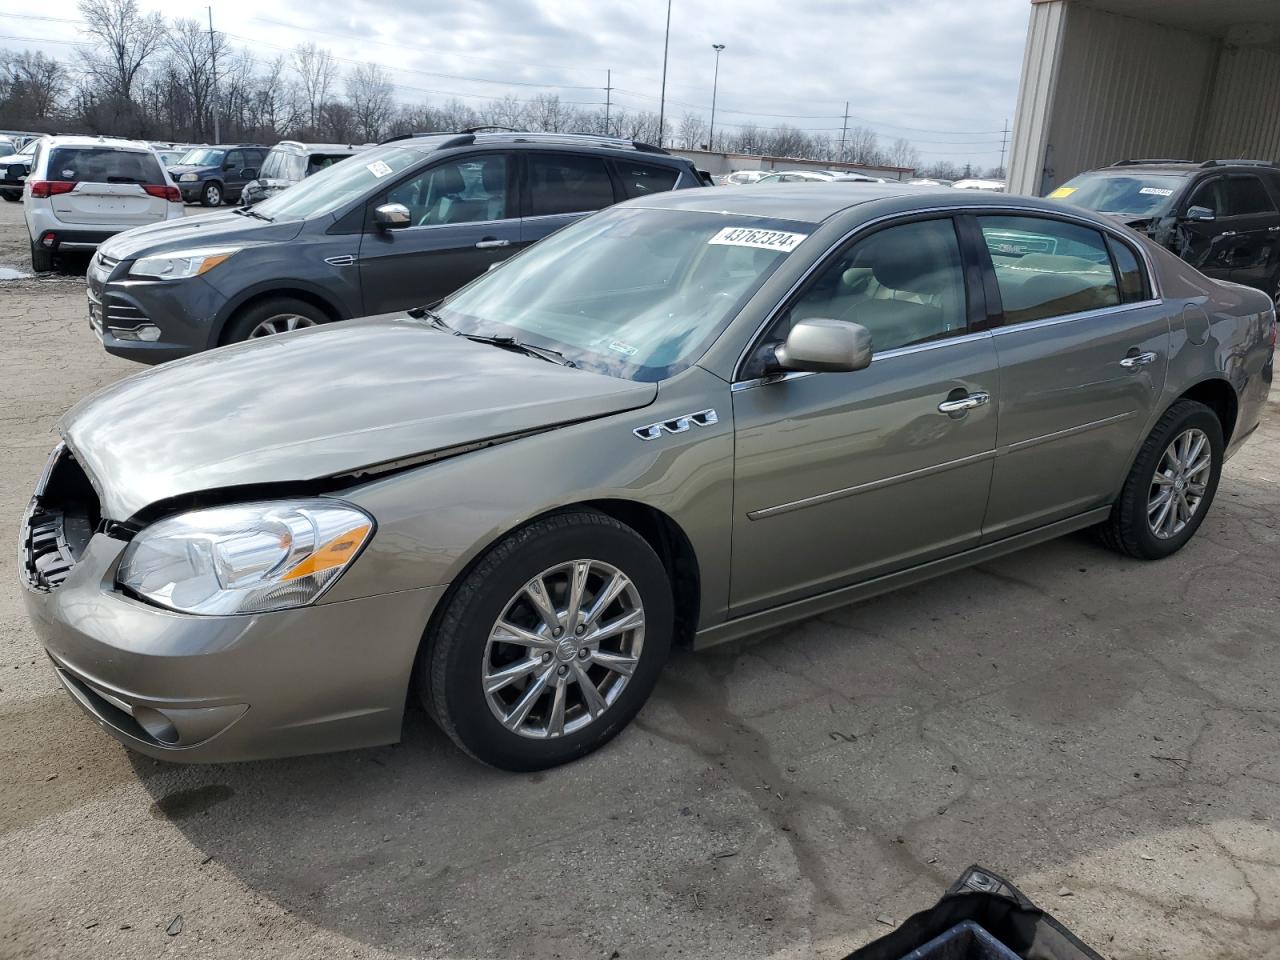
1194	415
455	665
41	260
240	326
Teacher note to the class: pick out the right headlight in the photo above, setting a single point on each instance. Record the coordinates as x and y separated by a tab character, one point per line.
249	558
181	263
188	178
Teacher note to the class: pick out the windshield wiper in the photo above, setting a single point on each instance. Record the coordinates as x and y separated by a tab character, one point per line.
437	321
511	343
250	212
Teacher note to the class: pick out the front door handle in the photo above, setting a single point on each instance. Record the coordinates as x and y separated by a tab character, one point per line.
491	242
963	404
1138	360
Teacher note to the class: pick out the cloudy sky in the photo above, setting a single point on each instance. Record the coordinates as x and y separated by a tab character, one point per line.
942	74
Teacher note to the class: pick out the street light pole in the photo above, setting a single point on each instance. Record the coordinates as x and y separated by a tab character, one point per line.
662	101
711	135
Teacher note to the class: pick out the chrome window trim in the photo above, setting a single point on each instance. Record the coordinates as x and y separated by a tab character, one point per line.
572	213
464	223
1071	317
973	209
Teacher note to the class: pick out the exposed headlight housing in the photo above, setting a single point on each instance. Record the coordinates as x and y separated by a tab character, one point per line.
250	558
181	263
188	178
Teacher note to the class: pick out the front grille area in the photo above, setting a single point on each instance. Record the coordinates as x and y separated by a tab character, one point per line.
58	523
107	311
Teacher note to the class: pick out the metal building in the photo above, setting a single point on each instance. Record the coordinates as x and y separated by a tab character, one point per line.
1106	80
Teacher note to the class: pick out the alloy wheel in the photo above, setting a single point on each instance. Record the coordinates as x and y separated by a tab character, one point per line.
1179	483
563	649
282	323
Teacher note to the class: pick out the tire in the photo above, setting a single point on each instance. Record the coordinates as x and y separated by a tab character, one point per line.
211	195
41	259
462	650
277	311
13	196
1129	529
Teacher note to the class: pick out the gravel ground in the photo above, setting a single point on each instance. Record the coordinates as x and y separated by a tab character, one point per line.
1100	731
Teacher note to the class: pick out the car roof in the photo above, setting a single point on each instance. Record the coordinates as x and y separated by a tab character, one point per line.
1185	167
518	139
815	202
301	147
74	140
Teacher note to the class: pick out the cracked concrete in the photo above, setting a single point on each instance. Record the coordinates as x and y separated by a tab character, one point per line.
1069	718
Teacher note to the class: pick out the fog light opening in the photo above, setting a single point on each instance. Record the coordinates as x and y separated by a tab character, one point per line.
156	724
146	332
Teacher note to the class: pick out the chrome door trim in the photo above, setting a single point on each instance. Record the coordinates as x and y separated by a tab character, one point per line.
464	223
974	209
869	485
884	355
1060	434
1072	317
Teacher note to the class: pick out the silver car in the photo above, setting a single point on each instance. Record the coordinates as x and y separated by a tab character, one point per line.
684	419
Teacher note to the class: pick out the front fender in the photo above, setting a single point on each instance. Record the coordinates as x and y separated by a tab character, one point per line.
434	520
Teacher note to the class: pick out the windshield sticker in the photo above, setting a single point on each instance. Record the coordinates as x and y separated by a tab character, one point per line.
626	349
762	239
68	174
1062	192
378	169
1157	191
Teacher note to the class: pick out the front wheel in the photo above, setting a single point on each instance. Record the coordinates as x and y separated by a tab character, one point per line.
211	195
1172	483
271	316
13	196
550	645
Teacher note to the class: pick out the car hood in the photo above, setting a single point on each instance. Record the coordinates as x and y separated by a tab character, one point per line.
178	169
218	228
320	403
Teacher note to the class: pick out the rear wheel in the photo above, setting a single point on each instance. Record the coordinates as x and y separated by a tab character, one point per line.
1172	483
13	196
41	259
211	195
269	317
551	644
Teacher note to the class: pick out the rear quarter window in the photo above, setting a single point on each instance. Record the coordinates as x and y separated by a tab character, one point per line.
642	179
103	165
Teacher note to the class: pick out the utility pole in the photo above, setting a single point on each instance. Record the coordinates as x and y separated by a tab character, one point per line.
1004	139
711	135
608	98
662	101
213	52
844	130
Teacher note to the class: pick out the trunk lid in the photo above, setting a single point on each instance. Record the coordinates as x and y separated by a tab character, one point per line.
109	203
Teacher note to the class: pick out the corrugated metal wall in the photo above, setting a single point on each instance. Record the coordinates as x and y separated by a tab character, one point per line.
1244	116
1036	95
1126	88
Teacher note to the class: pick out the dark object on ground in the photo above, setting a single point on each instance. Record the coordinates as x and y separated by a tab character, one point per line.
981	917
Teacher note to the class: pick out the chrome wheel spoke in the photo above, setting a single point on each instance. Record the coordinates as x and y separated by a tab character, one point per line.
595	703
615	662
1200	466
505	632
577	589
1180	483
531	696
555	726
1162	479
613	628
611	591
536	591
507	675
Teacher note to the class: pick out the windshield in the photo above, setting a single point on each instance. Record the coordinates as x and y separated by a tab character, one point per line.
204	157
336	186
1135	194
629	292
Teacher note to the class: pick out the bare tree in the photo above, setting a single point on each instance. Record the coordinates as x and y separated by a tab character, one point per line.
316	73
691	131
862	145
192	56
507	112
125	40
31	86
369	94
546	112
901	153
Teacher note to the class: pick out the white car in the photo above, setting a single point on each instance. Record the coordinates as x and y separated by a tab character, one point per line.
14	168
979	183
82	190
742	177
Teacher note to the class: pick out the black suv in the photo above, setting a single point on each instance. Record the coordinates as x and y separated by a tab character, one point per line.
1221	216
400	225
213	175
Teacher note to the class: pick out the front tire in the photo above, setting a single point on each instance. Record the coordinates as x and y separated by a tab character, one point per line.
211	195
41	259
13	196
1171	485
271	316
551	644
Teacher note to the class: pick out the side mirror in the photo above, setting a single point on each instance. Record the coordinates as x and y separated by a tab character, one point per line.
248	173
820	345
391	216
1200	214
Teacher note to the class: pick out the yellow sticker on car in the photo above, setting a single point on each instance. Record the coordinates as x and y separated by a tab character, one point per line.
1062	192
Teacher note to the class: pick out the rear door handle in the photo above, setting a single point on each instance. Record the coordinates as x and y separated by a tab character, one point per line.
1138	360
490	242
963	404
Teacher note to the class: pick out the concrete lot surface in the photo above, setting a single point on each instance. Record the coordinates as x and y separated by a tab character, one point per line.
1100	731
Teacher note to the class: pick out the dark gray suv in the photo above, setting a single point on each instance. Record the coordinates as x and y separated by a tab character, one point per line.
403	224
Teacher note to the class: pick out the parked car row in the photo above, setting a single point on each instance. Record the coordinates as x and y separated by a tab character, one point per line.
691	416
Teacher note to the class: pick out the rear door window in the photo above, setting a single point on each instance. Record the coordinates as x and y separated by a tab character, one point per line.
641	179
1247	197
1048	268
103	165
565	183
